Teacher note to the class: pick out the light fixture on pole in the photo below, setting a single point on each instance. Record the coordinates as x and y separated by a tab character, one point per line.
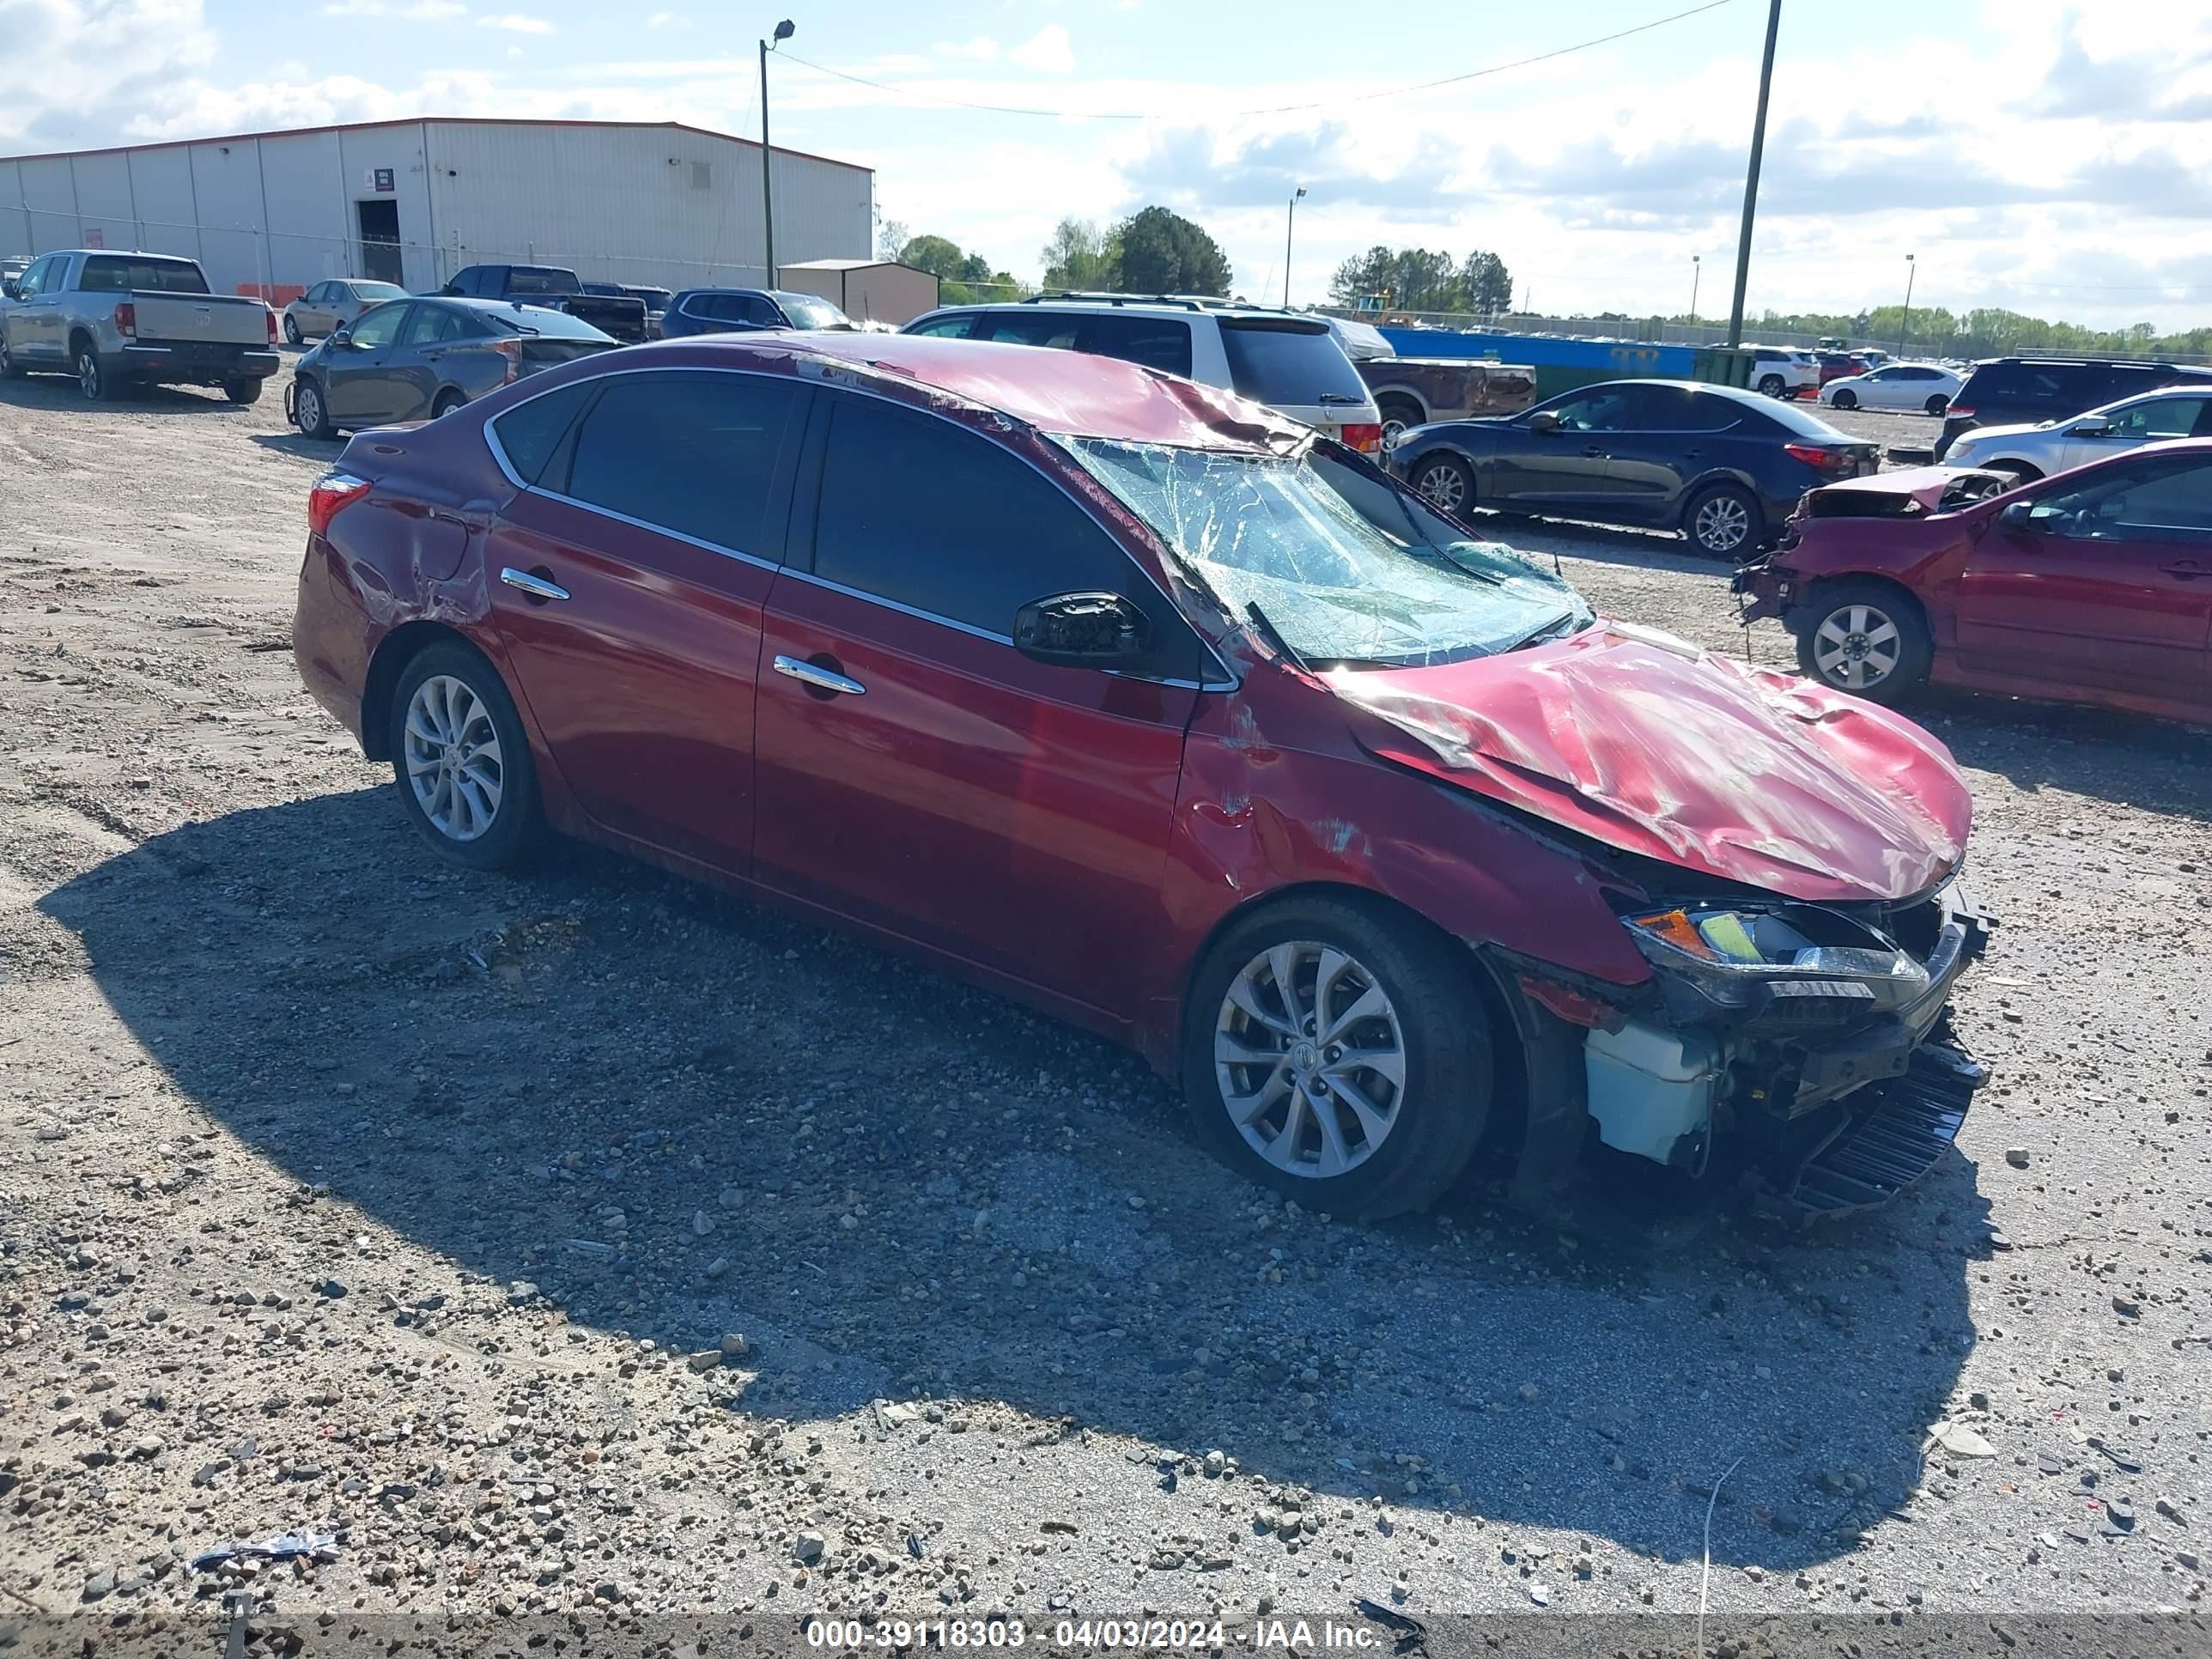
1905	328
1290	226
783	33
1697	269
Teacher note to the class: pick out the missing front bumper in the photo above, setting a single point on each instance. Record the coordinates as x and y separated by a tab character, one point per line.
1893	1133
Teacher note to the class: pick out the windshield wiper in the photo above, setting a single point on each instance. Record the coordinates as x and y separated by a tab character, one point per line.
1537	635
1273	635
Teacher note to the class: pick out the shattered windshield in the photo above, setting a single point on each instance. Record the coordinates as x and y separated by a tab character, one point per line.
1343	567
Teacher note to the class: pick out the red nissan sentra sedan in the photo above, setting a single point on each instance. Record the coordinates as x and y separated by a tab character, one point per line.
1142	705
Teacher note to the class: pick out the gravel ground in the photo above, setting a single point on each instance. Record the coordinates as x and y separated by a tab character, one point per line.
592	1245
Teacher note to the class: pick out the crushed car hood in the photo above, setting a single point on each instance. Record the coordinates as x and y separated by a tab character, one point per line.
1649	745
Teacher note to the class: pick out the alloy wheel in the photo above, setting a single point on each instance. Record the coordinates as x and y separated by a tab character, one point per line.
1857	647
1722	524
1442	485
308	409
1310	1059
453	761
87	375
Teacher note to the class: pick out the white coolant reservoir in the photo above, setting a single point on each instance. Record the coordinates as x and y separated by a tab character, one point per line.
1650	1087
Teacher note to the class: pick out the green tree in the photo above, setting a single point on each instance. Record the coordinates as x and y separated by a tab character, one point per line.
962	278
1410	279
1487	282
1163	252
1081	256
937	255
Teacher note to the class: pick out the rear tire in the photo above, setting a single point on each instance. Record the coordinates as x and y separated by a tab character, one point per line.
1866	632
92	379
1846	398
461	760
244	391
10	368
1392	1100
1400	415
1770	386
1445	483
310	413
1724	522
1937	405
448	401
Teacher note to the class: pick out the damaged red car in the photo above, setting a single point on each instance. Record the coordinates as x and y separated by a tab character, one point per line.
2093	585
1140	704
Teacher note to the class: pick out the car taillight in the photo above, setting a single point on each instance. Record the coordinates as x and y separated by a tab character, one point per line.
1365	438
512	350
331	492
1827	461
126	321
269	317
1961	412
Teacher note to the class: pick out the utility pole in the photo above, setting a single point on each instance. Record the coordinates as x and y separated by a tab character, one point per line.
1905	328
1291	225
1697	269
783	32
1751	177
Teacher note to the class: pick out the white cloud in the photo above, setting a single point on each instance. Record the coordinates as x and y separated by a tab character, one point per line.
517	23
982	48
417	10
668	20
59	59
1048	51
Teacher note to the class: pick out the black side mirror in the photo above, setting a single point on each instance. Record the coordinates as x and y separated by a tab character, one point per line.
10	289
2018	516
1543	421
1082	630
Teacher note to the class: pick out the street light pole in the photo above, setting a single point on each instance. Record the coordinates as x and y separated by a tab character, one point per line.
1751	176
783	32
1697	269
1905	328
1290	226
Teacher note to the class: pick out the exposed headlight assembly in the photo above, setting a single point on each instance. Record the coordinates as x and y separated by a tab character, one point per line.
1742	959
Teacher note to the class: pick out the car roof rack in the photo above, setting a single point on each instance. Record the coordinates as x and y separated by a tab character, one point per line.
1101	299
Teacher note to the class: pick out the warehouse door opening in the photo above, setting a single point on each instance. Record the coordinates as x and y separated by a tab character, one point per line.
379	241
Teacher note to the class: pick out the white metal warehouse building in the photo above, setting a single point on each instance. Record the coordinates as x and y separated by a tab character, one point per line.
411	201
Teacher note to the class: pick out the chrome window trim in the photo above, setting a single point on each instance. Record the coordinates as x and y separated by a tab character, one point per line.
1230	680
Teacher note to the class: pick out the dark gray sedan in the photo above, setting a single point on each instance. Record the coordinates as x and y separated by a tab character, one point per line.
414	360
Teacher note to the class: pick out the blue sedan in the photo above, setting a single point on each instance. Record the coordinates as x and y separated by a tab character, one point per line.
1722	466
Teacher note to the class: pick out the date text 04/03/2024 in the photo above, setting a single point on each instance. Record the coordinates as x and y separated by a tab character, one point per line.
1095	1635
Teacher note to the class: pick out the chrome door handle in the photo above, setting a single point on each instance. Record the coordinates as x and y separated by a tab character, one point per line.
536	587
821	679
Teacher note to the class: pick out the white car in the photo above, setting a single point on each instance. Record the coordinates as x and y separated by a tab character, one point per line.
1925	387
1290	362
1779	372
2029	452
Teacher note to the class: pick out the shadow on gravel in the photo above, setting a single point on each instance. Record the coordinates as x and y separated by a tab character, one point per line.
307	448
58	391
909	1187
2162	765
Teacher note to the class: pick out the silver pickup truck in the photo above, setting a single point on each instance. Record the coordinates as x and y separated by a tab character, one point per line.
118	320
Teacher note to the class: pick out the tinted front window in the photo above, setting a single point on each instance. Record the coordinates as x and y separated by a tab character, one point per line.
2162	499
1271	364
1601	409
380	326
531	433
919	512
115	273
696	454
2160	417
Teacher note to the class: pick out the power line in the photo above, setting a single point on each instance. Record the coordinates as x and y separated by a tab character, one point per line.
1277	109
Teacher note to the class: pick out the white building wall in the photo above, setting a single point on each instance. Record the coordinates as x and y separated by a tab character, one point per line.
659	205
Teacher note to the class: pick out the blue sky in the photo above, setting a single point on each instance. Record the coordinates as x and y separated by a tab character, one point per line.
2055	158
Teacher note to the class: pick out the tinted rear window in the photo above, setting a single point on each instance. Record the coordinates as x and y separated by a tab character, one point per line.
1161	343
113	273
2073	384
695	454
539	279
543	320
1271	364
529	433
1792	419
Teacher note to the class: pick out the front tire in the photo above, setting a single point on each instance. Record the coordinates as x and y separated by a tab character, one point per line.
462	760
1867	639
1724	522
291	330
1846	398
1445	483
310	413
1339	1053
